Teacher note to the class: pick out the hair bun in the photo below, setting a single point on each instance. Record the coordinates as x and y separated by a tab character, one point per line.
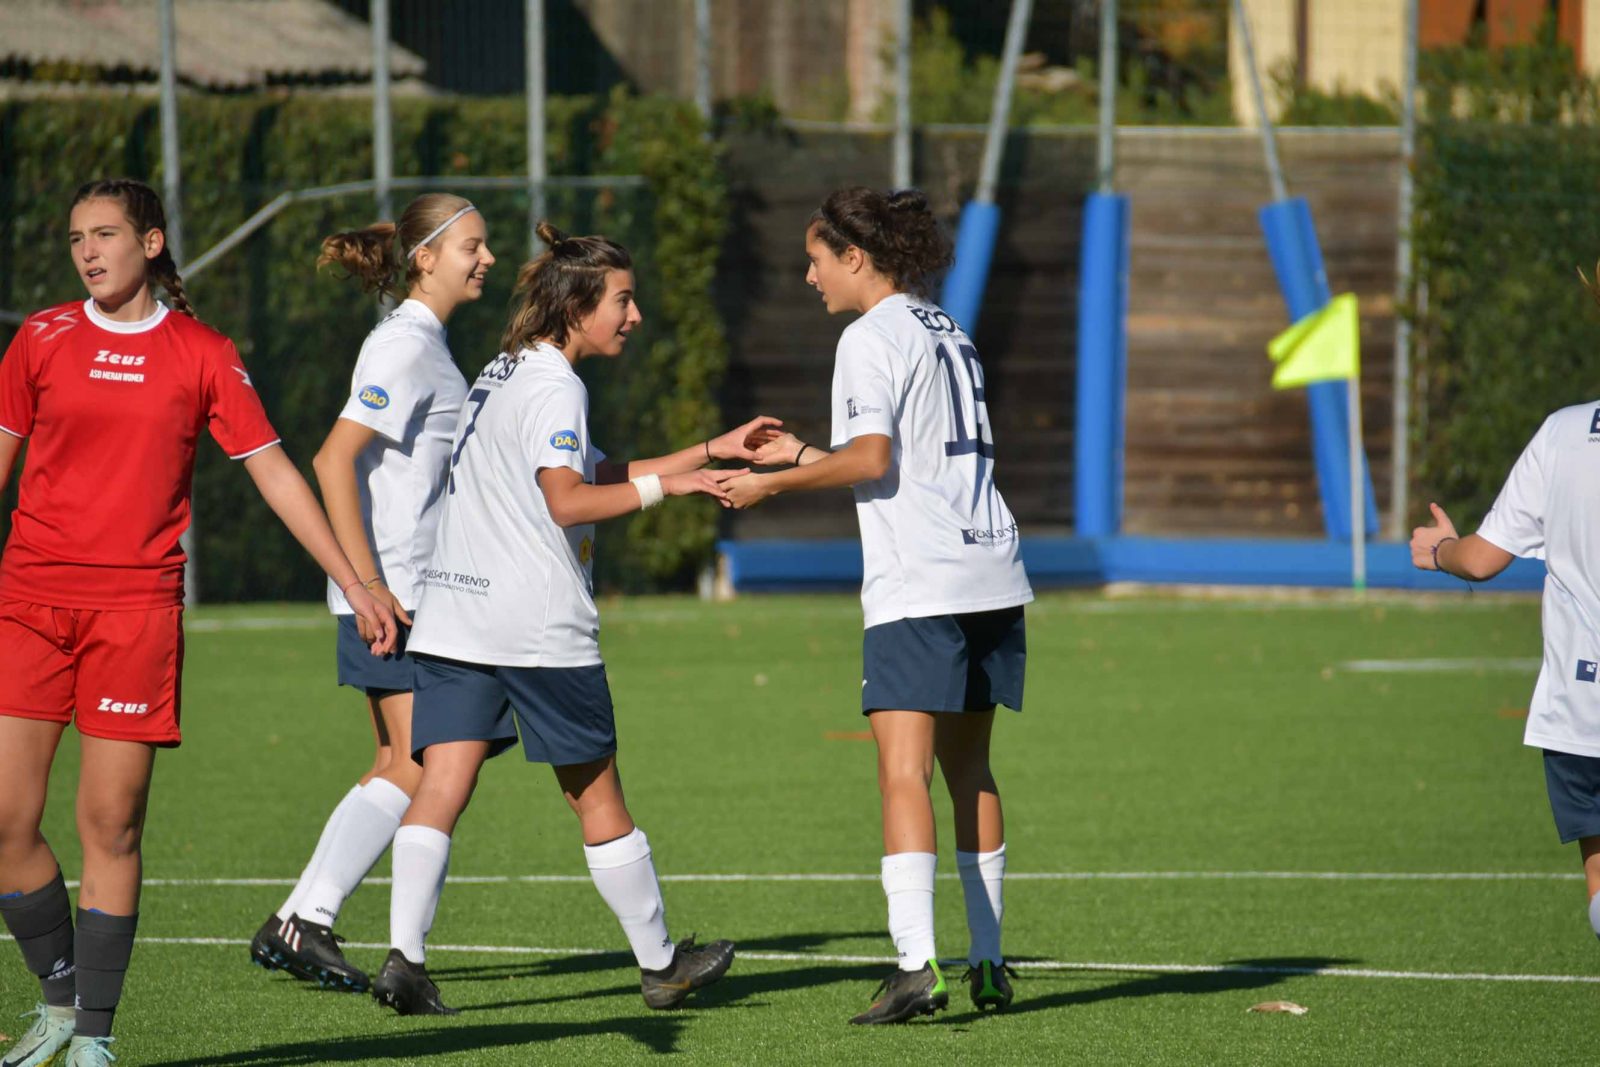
907	200
550	235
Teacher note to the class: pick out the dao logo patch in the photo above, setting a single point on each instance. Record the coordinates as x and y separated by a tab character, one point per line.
1588	670
374	397
565	440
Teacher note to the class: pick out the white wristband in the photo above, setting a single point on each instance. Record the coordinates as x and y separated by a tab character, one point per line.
649	486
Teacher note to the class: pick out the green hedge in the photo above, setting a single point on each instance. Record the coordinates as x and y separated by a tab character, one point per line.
1505	215
299	332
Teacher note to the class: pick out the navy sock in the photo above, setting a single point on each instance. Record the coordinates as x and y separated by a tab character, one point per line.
105	942
41	921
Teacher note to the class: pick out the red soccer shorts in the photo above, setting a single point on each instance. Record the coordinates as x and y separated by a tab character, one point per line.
118	670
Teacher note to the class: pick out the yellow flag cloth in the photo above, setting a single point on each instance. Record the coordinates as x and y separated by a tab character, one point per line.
1324	346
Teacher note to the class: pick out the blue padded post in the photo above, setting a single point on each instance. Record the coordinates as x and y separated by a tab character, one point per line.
962	297
1297	259
1102	366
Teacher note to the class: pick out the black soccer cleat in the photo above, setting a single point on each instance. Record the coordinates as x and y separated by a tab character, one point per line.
268	948
990	985
905	995
307	950
406	987
692	967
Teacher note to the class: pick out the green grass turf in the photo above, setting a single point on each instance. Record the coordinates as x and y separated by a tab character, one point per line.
1162	734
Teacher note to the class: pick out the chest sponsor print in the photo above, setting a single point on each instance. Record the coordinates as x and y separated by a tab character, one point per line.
112	366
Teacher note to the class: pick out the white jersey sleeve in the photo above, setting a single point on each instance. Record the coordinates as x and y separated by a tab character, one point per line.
390	395
1549	509
866	395
407	389
556	434
1516	523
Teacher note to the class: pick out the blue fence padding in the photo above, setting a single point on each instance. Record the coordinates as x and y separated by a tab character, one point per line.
1297	260
962	296
808	566
1102	366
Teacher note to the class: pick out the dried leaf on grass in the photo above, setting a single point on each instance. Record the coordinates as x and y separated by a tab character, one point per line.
1288	1006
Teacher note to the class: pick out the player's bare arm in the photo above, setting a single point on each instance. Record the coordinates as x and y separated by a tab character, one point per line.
742	443
1438	547
864	459
335	468
574	502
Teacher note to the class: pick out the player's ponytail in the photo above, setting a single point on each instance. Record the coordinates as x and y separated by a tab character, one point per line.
897	230
142	206
559	286
381	255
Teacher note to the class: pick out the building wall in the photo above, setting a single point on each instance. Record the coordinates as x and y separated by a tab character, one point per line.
1273	38
799	51
1355	45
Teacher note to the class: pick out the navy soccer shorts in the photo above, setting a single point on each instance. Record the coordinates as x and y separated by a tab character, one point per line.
967	662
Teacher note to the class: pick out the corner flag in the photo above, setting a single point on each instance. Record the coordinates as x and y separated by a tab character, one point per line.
1323	346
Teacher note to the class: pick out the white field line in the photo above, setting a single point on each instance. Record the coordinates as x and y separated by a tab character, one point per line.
1439	666
1030	965
1016	876
620	612
263	622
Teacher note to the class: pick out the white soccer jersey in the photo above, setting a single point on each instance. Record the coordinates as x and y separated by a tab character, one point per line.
1549	509
936	536
507	585
408	390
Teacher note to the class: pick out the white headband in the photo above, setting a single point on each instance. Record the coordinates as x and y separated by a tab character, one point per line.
437	230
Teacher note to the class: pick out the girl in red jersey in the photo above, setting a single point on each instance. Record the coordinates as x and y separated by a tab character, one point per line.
111	394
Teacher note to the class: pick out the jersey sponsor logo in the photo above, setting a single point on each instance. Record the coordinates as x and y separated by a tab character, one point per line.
1002	536
115	375
116	359
456	581
565	440
122	707
859	407
374	397
1588	670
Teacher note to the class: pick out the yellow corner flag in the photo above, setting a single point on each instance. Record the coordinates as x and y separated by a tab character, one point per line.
1324	346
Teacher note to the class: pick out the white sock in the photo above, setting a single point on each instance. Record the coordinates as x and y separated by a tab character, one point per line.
1594	913
908	883
626	878
982	885
297	894
362	827
421	856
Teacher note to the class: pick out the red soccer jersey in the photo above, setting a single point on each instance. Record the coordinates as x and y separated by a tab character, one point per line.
112	411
